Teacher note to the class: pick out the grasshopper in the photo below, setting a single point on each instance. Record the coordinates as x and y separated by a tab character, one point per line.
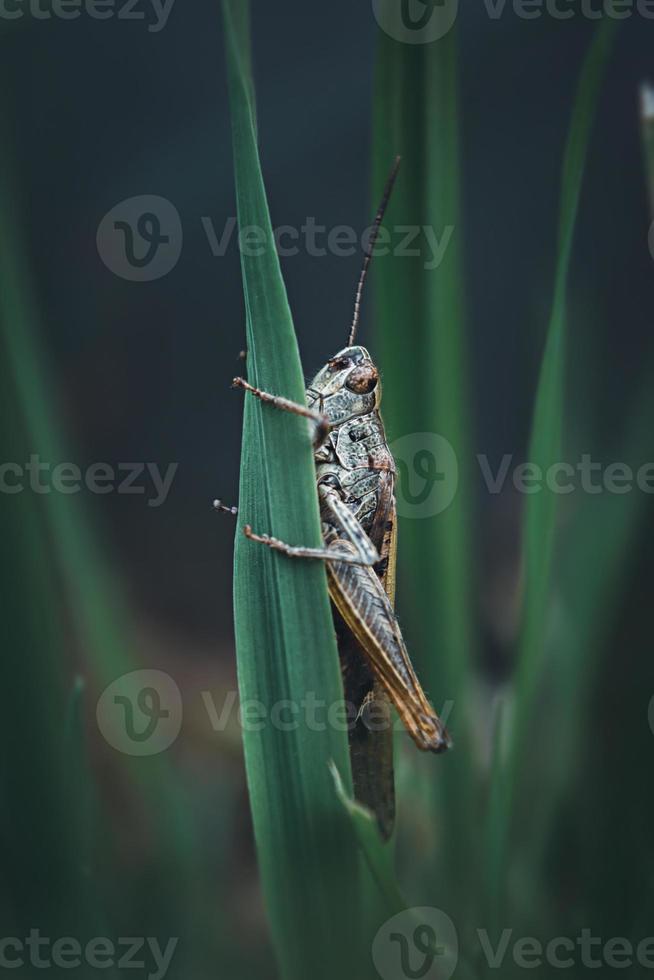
355	477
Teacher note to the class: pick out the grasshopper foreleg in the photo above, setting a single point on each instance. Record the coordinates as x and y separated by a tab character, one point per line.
286	405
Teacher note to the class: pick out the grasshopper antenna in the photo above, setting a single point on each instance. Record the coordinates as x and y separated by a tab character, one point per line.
379	217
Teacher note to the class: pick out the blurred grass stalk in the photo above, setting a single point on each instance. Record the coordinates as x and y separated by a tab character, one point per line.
419	321
65	568
524	730
591	574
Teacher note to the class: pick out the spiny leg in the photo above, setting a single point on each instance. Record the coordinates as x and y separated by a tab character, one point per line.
293	551
355	549
286	405
336	552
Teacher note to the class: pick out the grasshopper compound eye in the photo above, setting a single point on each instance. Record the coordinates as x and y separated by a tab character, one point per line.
339	363
363	379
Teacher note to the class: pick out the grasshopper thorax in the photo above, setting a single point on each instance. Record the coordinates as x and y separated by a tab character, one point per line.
348	385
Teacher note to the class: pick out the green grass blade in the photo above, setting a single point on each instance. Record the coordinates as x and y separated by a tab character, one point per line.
590	594
546	443
284	631
494	827
379	857
419	321
33	821
379	861
545	448
69	548
420	324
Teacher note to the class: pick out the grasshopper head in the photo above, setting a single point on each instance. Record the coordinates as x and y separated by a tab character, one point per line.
347	385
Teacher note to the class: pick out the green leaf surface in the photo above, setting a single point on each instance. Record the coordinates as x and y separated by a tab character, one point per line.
285	638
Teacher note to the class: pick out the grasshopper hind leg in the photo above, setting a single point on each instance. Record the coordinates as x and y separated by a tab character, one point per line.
333	553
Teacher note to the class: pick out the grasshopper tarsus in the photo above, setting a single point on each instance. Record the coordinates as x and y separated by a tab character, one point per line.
222	508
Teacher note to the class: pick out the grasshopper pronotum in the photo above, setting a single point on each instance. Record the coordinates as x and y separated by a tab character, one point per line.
355	475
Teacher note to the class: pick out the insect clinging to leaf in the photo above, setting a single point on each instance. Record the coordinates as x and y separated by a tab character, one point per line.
355	478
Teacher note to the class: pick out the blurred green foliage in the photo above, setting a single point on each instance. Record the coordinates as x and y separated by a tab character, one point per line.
522	825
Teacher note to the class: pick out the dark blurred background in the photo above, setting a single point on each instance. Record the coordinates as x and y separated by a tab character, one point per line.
101	111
